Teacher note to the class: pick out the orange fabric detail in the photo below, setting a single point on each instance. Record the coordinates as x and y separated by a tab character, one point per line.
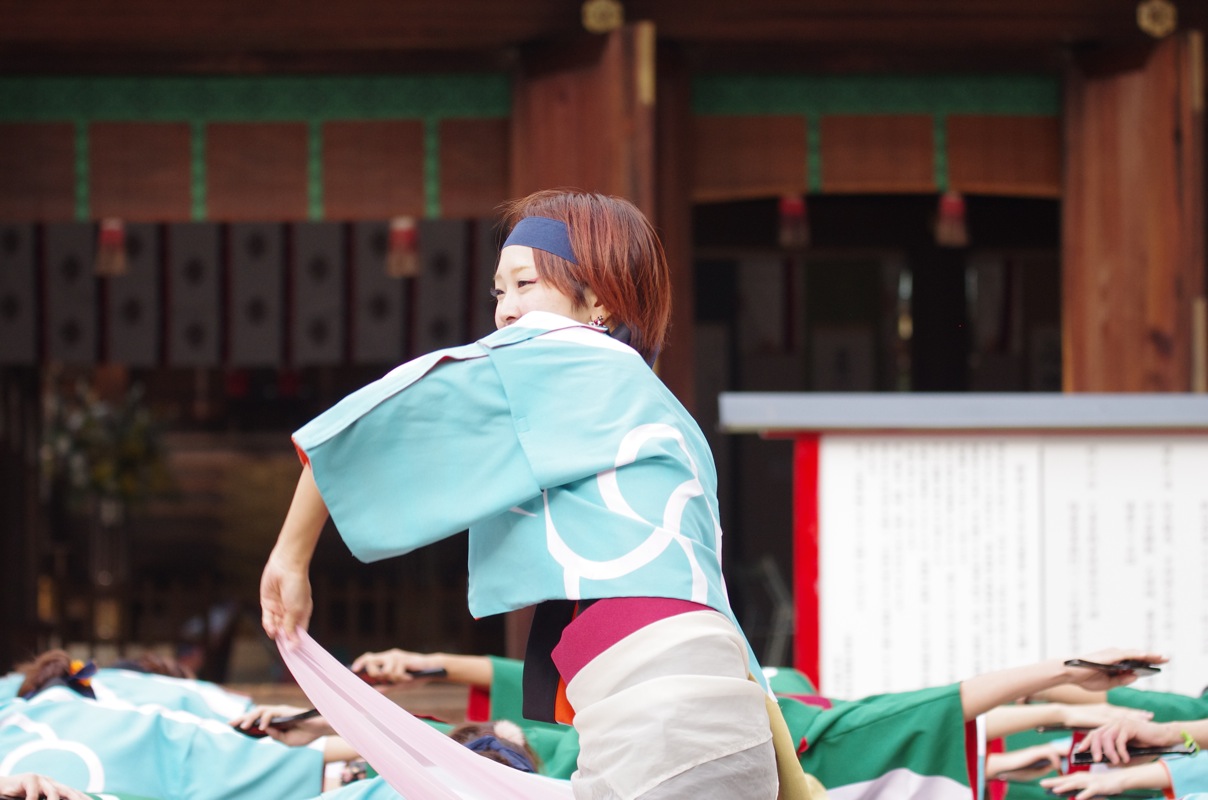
564	712
302	455
1168	791
74	669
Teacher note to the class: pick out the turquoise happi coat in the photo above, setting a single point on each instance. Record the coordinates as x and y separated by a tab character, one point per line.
578	474
141	749
10	684
200	698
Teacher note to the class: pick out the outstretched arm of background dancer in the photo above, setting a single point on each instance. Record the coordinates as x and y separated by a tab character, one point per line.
285	597
1024	764
1006	720
395	666
1110	742
1109	782
984	692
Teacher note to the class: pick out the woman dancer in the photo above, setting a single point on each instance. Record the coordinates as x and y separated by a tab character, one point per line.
588	491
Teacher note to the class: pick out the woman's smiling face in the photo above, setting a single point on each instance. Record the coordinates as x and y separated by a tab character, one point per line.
518	289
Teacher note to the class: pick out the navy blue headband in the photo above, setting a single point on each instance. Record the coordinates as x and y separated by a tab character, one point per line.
491	743
543	233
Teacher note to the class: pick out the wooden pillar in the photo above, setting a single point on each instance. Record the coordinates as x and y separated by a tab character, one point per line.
677	363
1133	220
595	114
583	116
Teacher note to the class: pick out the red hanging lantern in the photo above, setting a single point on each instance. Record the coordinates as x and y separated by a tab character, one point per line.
950	227
794	222
402	253
111	248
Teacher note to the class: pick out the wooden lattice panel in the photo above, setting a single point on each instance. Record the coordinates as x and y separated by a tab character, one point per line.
373	169
878	153
473	166
37	161
1005	155
739	157
140	170
256	171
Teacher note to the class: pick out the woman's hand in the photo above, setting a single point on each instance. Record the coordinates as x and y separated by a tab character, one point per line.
393	666
1086	784
295	734
1024	764
285	598
1094	715
1110	742
1098	680
34	787
1109	782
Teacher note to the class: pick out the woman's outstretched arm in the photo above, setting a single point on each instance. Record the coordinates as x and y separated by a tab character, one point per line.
984	692
395	666
285	597
1008	719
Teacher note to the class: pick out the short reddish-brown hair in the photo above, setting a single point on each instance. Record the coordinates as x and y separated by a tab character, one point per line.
620	259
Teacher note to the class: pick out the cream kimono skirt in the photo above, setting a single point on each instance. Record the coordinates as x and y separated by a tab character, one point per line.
670	711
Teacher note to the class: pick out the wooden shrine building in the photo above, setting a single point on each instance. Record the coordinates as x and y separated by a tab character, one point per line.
207	201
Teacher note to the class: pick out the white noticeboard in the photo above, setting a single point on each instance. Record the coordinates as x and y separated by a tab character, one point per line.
944	556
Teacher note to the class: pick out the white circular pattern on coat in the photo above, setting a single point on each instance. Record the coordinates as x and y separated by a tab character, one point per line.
577	567
96	771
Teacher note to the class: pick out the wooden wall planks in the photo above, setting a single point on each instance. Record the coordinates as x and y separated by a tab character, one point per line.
473	166
1003	155
739	157
256	171
140	170
373	169
885	153
37	160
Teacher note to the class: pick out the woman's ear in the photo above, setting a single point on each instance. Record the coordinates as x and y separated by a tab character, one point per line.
594	305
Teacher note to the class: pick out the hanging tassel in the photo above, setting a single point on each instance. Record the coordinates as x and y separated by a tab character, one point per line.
950	228
111	248
402	253
794	222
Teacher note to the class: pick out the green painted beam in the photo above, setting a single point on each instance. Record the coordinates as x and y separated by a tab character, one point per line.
197	171
432	168
253	99
314	170
939	141
83	173
813	153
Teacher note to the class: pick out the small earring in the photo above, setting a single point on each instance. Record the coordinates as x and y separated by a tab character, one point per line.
598	321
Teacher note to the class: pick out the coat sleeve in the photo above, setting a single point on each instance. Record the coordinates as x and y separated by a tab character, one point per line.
1166	706
401	469
1188	774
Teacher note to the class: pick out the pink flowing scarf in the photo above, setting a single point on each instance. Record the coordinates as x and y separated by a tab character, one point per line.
419	762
